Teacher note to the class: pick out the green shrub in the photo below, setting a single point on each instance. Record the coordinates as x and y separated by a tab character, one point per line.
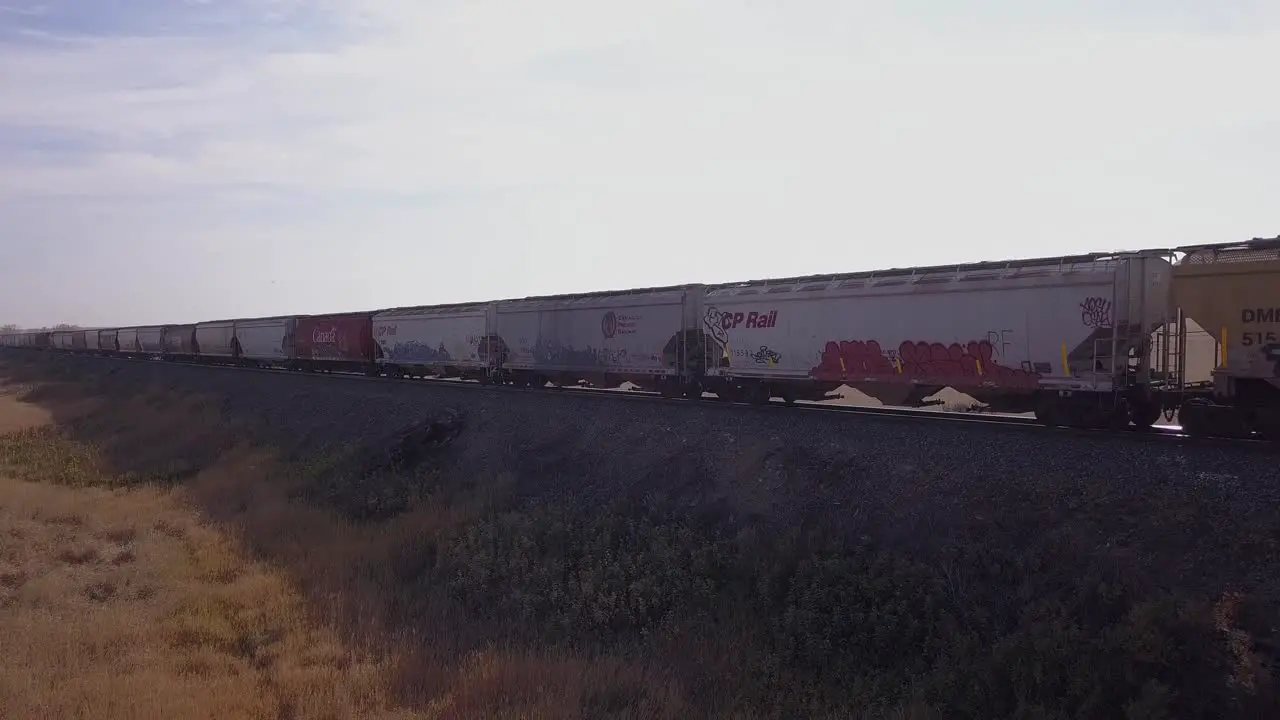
868	621
583	576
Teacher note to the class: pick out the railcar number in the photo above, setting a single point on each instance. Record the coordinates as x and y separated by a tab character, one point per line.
1258	338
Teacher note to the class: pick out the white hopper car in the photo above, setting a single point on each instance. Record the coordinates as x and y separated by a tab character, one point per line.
444	341
264	341
602	339
127	341
216	339
1056	336
151	340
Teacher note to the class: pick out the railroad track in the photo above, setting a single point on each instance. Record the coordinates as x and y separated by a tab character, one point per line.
1160	433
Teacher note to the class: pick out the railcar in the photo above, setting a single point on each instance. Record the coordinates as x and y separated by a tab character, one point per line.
127	342
447	341
216	340
1232	290
600	339
335	342
60	340
151	341
179	342
1067	338
109	341
260	342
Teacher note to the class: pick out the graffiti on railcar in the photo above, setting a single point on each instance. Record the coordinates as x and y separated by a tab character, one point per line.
1095	312
414	351
492	347
766	356
552	353
933	363
714	325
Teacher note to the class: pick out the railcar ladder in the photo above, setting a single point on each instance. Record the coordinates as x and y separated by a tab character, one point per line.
1170	358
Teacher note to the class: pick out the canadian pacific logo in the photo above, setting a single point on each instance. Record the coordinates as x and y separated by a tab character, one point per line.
732	320
614	324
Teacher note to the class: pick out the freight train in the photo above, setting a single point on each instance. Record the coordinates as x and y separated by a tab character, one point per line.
1096	340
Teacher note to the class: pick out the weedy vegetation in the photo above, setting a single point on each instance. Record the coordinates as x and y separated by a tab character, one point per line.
337	587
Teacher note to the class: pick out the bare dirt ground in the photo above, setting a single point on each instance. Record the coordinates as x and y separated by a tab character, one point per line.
335	548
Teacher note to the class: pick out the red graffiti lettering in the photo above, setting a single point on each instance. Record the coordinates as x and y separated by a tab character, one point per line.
926	363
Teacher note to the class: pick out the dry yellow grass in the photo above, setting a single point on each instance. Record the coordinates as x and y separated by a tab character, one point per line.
120	604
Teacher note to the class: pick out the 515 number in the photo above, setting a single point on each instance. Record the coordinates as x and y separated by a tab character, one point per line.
1258	338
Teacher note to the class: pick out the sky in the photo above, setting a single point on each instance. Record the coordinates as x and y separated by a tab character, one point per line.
181	160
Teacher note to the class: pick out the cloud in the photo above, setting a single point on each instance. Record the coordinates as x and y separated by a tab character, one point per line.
345	154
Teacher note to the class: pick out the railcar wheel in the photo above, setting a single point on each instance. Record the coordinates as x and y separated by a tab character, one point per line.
1144	415
1047	412
1195	416
1119	415
728	393
1203	418
756	393
669	388
1268	424
1089	417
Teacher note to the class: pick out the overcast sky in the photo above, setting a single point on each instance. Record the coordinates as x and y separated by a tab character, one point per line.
168	160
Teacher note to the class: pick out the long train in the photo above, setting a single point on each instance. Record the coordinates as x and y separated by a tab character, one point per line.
1097	340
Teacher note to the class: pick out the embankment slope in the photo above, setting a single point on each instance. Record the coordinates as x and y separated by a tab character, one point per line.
657	559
